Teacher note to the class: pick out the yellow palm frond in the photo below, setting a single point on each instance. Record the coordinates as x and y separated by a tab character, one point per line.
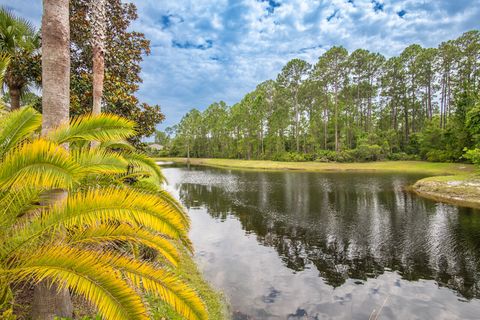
164	284
41	164
144	163
15	203
102	206
98	161
16	126
117	144
102	128
4	62
113	233
85	273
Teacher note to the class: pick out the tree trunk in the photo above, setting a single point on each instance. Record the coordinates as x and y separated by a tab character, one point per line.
97	26
55	64
50	300
98	77
14	97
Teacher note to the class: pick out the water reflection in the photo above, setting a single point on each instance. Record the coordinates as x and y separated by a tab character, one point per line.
351	227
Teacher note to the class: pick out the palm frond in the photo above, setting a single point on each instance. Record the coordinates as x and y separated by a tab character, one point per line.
162	283
98	161
85	273
41	164
102	128
16	126
102	206
117	144
145	163
125	233
4	62
16	203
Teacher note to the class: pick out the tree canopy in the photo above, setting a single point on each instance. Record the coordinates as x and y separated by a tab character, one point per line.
349	107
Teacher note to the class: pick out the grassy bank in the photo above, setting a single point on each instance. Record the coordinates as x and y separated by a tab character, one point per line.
188	272
463	190
429	168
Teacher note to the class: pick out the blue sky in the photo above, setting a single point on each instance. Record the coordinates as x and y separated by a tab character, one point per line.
210	50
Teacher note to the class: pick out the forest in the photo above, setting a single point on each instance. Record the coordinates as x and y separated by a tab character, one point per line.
358	106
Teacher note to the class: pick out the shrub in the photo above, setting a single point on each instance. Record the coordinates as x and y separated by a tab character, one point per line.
290	157
402	156
473	155
367	152
439	156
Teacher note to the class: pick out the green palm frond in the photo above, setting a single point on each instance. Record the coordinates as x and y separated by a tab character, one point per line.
145	164
98	161
64	242
83	272
166	285
117	144
40	164
4	62
102	206
113	233
16	126
102	128
16	203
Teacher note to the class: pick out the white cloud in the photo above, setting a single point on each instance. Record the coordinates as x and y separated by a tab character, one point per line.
245	42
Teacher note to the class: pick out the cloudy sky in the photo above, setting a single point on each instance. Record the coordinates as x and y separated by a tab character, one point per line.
210	50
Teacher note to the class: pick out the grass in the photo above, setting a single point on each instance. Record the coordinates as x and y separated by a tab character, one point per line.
428	168
463	190
188	271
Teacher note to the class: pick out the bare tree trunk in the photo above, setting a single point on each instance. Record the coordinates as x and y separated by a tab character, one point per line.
98	77
49	299
55	64
98	27
14	97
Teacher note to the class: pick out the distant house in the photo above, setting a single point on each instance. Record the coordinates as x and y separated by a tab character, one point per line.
156	146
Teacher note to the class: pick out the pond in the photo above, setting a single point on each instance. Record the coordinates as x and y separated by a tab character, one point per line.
304	245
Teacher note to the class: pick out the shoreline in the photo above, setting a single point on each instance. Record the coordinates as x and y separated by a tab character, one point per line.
460	190
420	167
452	183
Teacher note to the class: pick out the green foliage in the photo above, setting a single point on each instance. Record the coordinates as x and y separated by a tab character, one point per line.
89	241
473	155
20	40
124	53
349	107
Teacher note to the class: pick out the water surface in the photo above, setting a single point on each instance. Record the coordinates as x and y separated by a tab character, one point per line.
302	245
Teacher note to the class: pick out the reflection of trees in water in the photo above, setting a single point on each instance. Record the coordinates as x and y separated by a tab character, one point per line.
351	226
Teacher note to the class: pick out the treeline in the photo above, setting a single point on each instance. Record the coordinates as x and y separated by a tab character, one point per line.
348	107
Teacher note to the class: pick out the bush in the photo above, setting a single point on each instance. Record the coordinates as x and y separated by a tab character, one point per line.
473	155
290	157
367	152
335	156
402	156
440	156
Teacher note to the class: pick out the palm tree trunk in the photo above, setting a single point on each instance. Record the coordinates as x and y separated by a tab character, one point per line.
98	76
98	26
55	63
49	299
14	97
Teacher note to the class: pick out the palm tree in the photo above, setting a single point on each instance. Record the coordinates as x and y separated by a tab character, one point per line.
50	298
21	41
84	243
98	30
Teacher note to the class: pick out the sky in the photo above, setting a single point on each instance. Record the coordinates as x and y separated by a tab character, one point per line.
205	51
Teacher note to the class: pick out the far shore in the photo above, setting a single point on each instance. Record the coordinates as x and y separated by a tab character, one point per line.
454	183
421	167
